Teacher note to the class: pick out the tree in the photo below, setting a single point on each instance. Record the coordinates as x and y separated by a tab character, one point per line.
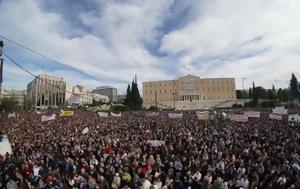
8	104
133	99
271	93
128	100
241	94
294	87
261	92
274	91
137	101
27	103
255	95
250	93
282	95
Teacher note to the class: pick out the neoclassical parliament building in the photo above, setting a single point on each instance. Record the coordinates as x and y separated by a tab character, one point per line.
190	92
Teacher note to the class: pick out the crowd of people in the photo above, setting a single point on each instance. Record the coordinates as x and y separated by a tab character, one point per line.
114	153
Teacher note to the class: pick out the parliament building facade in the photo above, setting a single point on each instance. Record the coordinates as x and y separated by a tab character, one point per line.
189	92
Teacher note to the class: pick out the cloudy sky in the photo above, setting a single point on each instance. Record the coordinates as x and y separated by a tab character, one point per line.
106	42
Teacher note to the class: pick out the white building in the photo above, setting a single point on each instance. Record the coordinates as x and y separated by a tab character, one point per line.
47	91
80	95
98	97
109	91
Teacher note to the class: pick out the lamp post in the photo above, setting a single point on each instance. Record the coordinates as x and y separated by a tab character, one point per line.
1	69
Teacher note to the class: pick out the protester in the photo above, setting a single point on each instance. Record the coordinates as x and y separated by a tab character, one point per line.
114	153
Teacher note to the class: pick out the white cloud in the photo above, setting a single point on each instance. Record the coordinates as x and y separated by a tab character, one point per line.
223	29
257	39
115	49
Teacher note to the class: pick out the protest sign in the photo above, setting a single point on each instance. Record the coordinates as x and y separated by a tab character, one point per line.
48	117
175	115
156	143
252	114
66	114
115	115
102	114
275	116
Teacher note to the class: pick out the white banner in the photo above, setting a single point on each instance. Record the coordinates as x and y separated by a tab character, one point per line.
202	115
252	114
280	111
11	115
152	114
175	115
48	118
85	130
156	143
103	114
239	118
275	116
116	115
294	118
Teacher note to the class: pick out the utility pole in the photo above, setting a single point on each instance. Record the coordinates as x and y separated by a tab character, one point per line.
1	69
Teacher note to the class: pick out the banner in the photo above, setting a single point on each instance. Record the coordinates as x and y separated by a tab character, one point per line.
156	143
152	114
48	118
175	115
85	130
11	115
294	118
202	115
66	113
238	118
275	116
116	115
103	114
252	114
280	111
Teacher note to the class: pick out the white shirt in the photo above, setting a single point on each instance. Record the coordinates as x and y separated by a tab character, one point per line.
244	183
281	180
197	176
157	185
36	171
146	184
